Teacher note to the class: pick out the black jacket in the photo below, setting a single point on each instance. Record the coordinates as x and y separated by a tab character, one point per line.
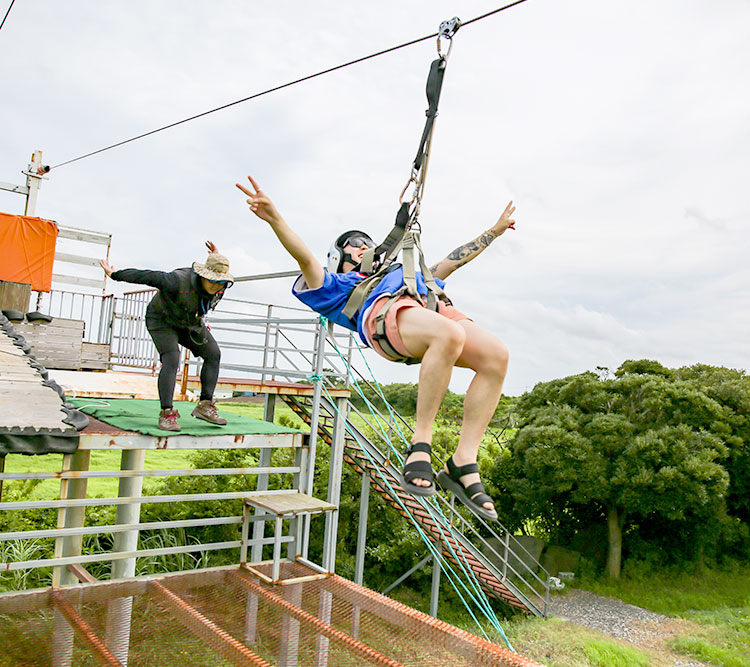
180	302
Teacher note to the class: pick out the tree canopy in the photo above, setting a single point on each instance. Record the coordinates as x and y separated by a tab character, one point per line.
647	446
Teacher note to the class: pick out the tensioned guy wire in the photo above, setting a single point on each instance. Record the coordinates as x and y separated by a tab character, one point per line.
2	23
280	87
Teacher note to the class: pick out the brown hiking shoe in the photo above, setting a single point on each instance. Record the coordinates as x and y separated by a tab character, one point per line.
168	420
207	411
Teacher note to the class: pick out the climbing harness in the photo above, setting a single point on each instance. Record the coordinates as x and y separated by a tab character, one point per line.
404	238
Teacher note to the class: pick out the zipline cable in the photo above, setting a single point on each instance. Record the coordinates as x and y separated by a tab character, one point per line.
279	87
2	23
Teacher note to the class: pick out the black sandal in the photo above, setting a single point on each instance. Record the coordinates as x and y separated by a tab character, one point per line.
418	470
472	496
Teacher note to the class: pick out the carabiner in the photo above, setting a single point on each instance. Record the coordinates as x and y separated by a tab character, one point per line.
412	179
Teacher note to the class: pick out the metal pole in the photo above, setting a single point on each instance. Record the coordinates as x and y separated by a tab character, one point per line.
405	576
506	545
71	517
290	628
335	472
435	592
33	182
364	505
266	343
251	603
264	461
322	643
359	560
119	610
296	522
307	481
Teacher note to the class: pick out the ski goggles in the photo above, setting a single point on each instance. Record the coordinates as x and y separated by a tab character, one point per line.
358	242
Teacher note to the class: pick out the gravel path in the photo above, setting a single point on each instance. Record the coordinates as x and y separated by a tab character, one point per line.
616	618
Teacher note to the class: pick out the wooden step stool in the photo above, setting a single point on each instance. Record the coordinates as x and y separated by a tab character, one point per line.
283	506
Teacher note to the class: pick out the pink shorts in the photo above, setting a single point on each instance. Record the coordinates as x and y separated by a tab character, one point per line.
391	327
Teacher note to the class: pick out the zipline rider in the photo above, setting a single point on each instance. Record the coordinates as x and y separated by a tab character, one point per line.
438	339
174	317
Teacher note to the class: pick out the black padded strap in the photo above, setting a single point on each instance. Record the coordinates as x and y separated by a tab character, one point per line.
459	471
476	493
418	470
423	447
397	233
434	85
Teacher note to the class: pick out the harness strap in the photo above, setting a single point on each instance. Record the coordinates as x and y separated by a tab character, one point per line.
360	293
410	276
381	335
434	86
434	292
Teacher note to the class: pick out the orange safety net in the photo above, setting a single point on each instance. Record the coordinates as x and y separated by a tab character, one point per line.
28	250
226	616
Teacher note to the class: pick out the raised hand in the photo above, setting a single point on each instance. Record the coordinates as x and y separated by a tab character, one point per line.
108	268
211	247
259	202
505	221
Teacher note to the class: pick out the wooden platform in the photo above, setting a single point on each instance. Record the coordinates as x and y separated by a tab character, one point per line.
129	384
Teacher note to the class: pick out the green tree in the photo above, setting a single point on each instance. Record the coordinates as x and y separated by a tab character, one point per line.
731	389
641	444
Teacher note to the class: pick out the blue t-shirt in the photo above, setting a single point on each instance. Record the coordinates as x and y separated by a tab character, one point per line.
330	298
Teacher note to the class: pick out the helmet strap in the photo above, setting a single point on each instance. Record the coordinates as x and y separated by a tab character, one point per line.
346	257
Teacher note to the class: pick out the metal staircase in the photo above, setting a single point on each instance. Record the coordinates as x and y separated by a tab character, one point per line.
506	575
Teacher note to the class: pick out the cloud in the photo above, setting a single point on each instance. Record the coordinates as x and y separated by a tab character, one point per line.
627	165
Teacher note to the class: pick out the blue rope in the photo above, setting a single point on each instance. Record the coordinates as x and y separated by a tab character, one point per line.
482	602
431	507
447	568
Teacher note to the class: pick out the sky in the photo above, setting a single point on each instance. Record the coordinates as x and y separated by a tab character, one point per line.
620	130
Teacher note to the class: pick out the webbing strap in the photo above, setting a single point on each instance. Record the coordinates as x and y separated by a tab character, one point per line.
434	86
398	231
381	336
434	292
359	294
410	275
409	244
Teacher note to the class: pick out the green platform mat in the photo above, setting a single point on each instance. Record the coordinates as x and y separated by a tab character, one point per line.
141	416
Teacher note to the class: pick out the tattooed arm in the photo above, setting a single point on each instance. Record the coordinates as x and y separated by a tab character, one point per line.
468	251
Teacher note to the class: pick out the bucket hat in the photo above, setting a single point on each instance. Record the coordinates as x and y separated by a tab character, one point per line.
216	268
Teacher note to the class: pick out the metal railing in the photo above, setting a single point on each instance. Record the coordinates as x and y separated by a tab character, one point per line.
95	310
513	566
257	340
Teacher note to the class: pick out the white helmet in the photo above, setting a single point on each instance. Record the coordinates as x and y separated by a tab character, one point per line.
336	254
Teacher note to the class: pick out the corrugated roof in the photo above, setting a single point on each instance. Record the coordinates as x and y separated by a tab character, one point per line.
33	418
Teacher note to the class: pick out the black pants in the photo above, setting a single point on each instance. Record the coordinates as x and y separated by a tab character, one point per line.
200	342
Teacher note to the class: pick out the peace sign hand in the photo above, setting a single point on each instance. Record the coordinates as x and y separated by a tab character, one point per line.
259	203
505	221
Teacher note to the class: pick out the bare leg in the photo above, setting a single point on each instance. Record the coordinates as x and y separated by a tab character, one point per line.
488	357
439	342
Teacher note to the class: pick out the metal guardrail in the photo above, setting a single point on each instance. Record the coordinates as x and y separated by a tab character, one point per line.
257	339
509	567
95	310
